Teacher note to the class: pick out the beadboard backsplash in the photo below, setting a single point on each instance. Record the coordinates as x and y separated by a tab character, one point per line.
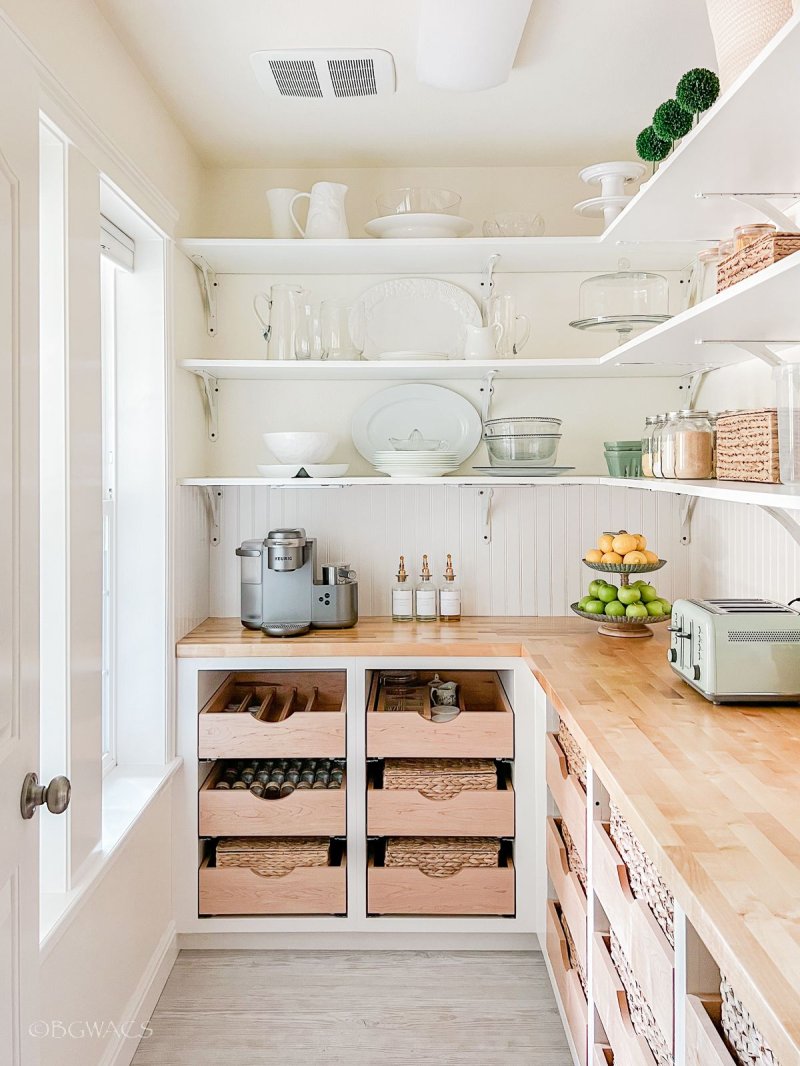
531	565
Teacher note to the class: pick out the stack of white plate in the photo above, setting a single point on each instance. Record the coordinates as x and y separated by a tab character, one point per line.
422	463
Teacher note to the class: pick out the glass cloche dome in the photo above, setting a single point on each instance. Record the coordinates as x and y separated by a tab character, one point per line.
623	302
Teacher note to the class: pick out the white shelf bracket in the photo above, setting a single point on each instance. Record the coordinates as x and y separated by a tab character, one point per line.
208	287
688	504
213	498
690	386
487	284
758	349
487	389
784	518
763	203
209	387
486	513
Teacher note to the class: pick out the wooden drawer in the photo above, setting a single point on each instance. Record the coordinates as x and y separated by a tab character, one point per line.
483	729
568	985
406	812
406	890
648	951
305	890
612	1007
567	887
704	1044
305	812
603	1055
306	716
569	797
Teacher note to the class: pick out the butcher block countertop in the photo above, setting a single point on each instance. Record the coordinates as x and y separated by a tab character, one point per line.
712	792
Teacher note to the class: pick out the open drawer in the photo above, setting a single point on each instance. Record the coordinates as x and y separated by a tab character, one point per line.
704	1043
567	793
648	951
407	890
611	1002
483	728
305	890
603	1055
567	982
275	714
407	812
567	887
305	812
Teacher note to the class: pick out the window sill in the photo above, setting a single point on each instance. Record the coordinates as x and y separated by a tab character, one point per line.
127	793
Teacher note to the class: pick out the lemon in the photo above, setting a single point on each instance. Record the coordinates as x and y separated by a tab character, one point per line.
594	555
605	543
642	542
611	557
624	543
635	558
651	557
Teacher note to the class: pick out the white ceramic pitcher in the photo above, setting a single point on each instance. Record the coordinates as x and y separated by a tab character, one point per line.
278	201
277	312
481	341
326	211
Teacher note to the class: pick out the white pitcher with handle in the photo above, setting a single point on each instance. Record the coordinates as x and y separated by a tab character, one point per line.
279	201
277	312
326	211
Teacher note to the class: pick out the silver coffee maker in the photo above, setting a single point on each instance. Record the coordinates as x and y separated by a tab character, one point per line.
280	591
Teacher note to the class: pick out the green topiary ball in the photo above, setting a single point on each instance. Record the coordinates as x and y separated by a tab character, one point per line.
697	90
671	121
651	147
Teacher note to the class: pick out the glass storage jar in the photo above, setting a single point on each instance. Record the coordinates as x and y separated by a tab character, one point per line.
667	441
703	281
693	437
744	235
655	444
647	445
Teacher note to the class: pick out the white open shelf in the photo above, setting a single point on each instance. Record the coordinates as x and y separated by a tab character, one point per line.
422	370
749	142
777	496
444	255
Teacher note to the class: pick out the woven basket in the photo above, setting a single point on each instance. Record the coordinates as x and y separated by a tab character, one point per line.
572	952
642	1017
747	446
576	760
440	779
645	881
272	856
442	856
574	861
769	249
741	1033
740	29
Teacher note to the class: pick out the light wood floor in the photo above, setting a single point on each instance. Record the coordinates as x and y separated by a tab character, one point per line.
356	1009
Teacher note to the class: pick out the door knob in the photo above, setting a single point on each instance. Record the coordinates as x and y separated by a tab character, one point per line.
56	795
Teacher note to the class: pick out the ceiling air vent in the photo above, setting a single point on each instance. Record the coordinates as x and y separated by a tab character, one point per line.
325	72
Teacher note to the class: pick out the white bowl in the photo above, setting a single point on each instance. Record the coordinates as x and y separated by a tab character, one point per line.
312	447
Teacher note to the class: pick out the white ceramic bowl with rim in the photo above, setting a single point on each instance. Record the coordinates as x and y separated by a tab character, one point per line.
301	447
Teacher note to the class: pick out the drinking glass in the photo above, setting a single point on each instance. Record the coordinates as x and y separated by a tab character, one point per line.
341	335
308	335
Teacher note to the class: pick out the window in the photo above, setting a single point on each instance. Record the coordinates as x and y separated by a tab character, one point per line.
108	348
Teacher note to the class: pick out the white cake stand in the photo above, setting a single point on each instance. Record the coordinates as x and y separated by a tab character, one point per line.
612	177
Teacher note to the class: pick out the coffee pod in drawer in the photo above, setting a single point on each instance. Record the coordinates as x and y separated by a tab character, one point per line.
287	788
308	776
257	789
248	777
277	776
262	777
238	785
272	790
303	784
293	776
333	783
222	784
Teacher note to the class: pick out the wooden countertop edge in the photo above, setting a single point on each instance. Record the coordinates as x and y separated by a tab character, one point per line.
782	1033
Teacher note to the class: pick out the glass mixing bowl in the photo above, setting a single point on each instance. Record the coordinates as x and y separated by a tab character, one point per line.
418	200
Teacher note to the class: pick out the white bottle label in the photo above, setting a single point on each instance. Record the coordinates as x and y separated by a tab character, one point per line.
449	602
426	603
401	602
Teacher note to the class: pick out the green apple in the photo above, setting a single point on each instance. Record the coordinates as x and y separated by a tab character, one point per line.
615	609
648	593
582	602
666	605
594	607
595	586
629	594
607	593
636	610
655	608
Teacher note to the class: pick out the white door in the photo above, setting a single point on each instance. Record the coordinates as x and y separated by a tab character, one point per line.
19	551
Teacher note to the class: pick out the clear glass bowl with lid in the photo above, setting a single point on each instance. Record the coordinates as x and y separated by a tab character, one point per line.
623	302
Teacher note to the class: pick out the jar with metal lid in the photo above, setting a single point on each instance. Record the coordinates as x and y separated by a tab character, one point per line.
693	437
658	431
667	442
744	235
647	445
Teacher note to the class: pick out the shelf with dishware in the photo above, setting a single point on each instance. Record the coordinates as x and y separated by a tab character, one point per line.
732	150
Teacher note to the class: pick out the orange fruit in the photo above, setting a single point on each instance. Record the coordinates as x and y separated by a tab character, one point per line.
594	555
624	543
611	557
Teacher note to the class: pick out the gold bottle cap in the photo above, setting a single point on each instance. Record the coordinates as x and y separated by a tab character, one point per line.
426	572
449	574
401	572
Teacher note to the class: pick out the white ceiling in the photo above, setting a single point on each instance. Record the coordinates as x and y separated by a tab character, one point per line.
587	78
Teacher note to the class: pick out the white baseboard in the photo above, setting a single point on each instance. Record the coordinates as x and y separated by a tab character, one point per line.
377	941
140	1007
